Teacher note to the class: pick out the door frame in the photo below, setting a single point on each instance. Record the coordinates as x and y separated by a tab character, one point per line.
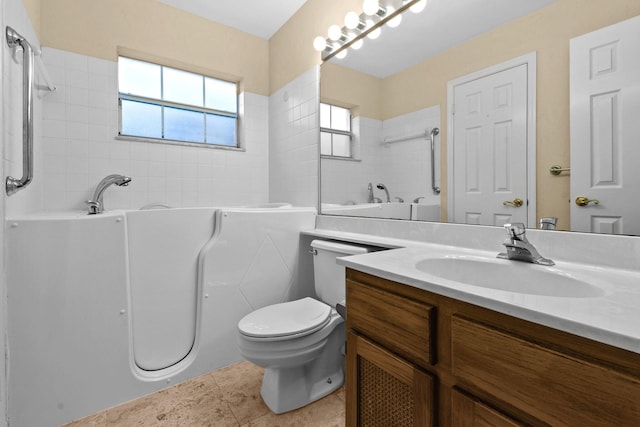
529	59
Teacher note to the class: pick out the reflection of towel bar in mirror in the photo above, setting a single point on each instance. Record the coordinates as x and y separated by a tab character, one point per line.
427	134
424	134
557	170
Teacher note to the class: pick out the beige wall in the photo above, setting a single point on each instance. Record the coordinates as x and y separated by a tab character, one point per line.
154	30
546	31
351	89
291	48
101	28
33	10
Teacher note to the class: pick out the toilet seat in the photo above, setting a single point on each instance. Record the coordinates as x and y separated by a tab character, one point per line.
286	320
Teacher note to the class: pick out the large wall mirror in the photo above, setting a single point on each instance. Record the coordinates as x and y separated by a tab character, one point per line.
415	151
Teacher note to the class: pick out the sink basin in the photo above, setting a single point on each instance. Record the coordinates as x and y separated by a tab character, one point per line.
510	276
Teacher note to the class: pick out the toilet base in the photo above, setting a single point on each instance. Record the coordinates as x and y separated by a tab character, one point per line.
286	389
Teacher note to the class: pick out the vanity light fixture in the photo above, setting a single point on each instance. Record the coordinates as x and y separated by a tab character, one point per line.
376	13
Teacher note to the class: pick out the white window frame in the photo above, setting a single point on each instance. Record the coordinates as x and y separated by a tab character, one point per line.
332	131
163	103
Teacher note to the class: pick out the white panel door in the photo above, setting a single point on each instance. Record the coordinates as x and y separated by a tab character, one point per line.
605	129
490	149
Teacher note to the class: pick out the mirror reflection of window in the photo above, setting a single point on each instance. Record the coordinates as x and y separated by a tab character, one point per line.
335	131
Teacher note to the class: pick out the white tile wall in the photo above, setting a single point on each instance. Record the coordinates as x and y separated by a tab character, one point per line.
404	167
346	181
80	122
13	13
293	141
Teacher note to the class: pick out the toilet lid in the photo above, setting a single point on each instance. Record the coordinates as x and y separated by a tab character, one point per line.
300	317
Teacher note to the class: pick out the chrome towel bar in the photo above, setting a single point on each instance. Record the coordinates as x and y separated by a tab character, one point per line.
434	132
14	40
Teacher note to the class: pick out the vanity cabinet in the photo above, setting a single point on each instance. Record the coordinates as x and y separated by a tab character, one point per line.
419	358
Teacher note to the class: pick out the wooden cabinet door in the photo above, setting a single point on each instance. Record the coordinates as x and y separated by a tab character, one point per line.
469	412
384	390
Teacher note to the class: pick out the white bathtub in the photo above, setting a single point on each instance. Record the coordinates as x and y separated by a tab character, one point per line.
107	308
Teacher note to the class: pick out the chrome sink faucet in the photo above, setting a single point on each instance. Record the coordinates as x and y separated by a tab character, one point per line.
96	204
519	248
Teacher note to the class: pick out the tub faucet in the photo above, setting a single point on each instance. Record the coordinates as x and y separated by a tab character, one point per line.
384	187
519	248
96	205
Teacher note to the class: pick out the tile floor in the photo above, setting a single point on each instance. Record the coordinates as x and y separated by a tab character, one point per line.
224	398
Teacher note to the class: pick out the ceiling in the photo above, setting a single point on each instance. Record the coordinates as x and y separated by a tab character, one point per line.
261	18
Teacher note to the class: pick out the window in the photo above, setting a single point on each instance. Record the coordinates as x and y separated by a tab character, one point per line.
162	103
335	131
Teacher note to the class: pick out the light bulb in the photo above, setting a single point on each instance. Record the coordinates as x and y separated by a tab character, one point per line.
370	7
351	20
319	43
335	32
341	54
357	44
395	21
374	34
418	7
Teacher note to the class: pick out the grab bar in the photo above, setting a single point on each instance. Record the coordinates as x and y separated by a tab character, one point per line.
14	185
434	132
389	140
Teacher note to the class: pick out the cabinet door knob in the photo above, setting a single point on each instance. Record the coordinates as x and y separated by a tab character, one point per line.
584	201
517	202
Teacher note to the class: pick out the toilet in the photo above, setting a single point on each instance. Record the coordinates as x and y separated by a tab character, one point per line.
301	343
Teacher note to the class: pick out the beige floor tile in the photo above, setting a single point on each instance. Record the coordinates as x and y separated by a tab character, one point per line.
197	402
228	397
326	412
240	384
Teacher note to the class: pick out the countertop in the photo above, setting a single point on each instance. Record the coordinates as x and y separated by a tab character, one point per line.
612	318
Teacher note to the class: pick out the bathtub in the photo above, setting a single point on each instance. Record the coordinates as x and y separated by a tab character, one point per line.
106	308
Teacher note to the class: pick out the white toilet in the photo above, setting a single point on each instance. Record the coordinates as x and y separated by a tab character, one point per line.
300	343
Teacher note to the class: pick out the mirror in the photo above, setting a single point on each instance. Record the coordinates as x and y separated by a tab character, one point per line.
397	90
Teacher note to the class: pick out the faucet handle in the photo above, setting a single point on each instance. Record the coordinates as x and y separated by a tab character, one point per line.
94	207
516	230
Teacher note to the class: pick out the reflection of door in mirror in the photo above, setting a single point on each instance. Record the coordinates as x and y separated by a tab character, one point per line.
489	147
605	129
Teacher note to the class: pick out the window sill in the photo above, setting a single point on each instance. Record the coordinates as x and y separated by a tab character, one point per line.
180	143
342	159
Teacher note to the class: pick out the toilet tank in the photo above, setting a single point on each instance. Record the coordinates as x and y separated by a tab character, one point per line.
329	276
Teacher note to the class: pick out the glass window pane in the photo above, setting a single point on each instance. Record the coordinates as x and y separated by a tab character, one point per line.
220	95
325	115
340	118
183	87
221	130
341	145
138	78
141	119
325	144
183	125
